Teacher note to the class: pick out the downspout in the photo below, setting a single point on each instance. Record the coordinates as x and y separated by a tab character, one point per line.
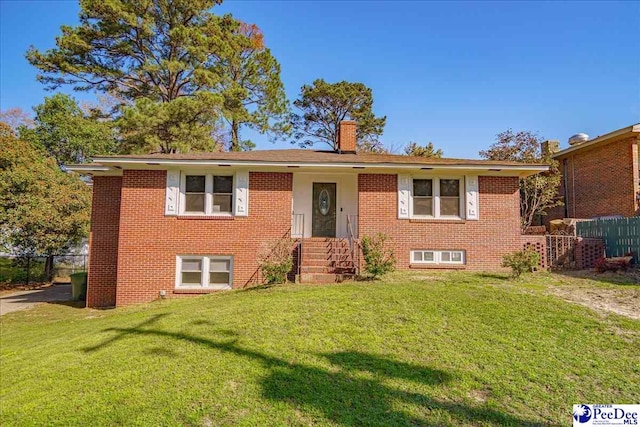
573	183
565	172
636	177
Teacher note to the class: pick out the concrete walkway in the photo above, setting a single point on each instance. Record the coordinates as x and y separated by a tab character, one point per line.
23	300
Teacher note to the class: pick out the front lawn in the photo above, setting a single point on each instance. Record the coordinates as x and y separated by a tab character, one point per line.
422	349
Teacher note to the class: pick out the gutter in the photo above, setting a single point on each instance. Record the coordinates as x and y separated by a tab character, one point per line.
170	162
89	168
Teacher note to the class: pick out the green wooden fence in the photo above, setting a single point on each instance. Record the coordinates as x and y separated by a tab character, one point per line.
620	236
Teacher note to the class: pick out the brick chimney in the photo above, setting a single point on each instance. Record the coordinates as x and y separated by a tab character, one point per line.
549	146
347	137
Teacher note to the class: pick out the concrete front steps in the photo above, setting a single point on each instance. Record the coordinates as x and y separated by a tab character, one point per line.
326	260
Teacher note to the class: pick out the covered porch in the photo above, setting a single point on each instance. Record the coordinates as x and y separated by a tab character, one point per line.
324	205
324	221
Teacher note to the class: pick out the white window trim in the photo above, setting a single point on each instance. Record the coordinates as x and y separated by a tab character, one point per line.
413	261
437	257
436	197
208	193
204	279
451	252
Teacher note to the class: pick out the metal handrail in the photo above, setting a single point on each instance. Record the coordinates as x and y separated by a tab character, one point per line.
353	240
297	232
256	276
297	226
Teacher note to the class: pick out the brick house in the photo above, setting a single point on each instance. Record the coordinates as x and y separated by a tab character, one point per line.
600	177
178	224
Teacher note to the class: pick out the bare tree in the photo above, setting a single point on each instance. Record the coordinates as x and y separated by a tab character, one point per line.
537	192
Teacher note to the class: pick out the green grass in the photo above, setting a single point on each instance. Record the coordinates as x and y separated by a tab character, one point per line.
442	349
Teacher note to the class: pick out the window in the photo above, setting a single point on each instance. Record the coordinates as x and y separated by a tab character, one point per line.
437	198
191	272
222	193
194	193
423	257
211	272
423	197
451	257
437	257
207	194
449	197
220	271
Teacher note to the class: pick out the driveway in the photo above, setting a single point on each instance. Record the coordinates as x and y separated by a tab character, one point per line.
23	300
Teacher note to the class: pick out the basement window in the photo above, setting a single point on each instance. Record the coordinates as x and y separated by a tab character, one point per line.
423	257
437	257
207	272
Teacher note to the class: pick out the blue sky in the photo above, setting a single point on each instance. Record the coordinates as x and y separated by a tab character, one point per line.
452	73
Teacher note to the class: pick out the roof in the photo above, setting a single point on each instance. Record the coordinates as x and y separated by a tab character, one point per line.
298	158
599	140
308	156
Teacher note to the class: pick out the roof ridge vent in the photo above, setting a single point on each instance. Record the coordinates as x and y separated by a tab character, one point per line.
578	138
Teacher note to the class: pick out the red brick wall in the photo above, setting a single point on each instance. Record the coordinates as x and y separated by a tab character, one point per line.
347	140
485	241
538	244
103	241
149	240
601	181
143	245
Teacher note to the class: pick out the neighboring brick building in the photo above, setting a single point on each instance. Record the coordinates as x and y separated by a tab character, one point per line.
176	224
600	176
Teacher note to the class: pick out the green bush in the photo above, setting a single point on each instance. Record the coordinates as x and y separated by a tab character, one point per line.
276	261
378	259
521	261
14	271
35	276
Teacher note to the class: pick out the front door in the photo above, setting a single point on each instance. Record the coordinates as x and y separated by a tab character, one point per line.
323	219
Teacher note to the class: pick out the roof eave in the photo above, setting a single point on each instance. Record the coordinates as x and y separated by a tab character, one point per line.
112	166
94	169
611	135
105	161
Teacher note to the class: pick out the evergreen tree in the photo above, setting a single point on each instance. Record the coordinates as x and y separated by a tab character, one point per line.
177	68
414	149
324	105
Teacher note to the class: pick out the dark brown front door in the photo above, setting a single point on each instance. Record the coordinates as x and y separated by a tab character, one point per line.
323	219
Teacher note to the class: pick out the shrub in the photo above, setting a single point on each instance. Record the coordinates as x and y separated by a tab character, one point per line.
276	261
378	259
521	261
14	270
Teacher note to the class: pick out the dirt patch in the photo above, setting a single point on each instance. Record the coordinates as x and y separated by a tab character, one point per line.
623	277
480	396
623	301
